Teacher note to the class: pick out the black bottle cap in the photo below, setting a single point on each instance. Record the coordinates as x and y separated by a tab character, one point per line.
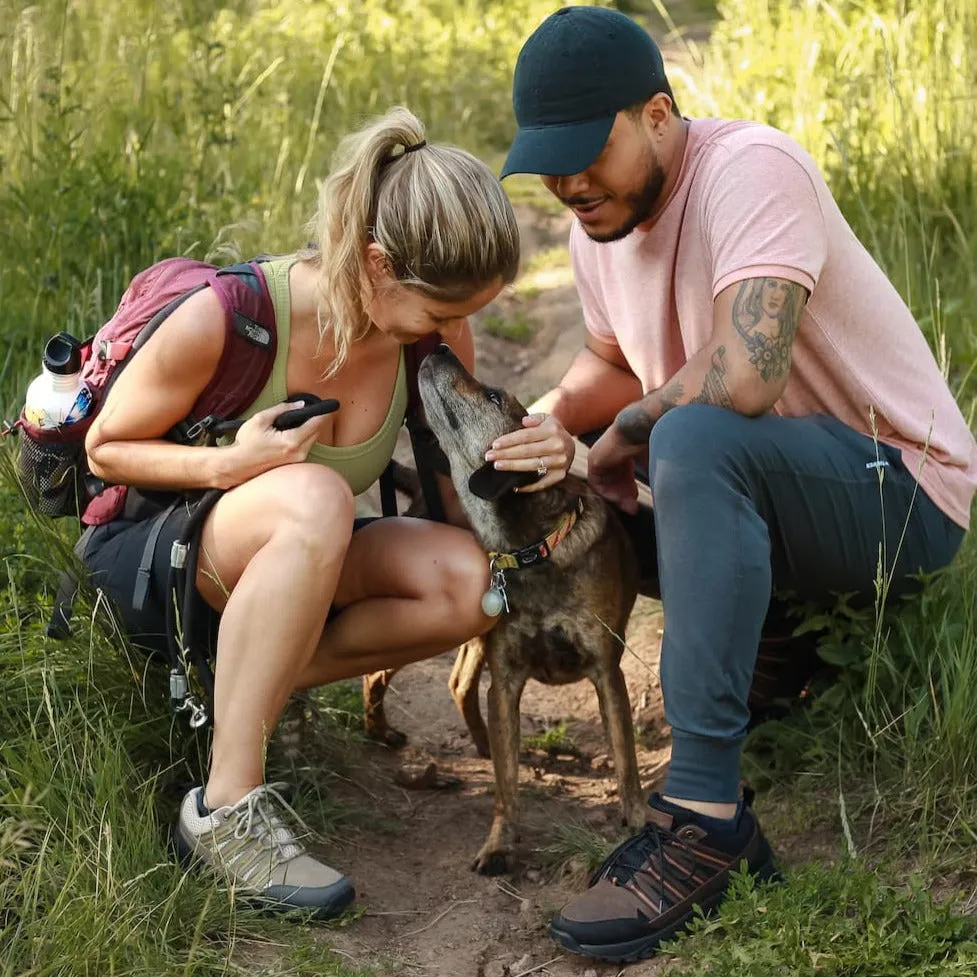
62	354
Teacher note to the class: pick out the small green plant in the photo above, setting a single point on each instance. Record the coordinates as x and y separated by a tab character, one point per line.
574	844
553	740
515	327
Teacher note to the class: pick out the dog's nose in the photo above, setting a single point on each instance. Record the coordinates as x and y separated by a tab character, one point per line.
442	348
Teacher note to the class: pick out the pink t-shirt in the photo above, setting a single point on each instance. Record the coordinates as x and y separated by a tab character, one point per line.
750	203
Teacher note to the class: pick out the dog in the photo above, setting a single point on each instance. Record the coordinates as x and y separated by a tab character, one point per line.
564	567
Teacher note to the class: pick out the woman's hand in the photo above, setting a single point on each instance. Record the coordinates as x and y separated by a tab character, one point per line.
543	443
259	446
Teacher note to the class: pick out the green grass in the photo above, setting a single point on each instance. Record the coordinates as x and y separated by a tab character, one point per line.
552	740
836	921
130	131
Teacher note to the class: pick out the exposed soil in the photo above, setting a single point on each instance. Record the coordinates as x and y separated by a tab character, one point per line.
426	912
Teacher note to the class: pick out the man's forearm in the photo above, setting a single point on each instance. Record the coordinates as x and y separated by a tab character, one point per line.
705	379
589	395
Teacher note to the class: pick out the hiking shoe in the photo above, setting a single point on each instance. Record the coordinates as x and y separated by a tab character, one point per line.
252	846
645	891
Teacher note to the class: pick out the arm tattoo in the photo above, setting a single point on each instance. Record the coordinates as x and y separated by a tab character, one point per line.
671	395
765	313
714	389
635	422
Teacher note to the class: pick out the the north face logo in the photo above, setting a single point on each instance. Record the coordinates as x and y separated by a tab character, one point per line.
251	330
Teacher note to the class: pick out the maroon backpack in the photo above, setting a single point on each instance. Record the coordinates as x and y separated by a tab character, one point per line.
53	466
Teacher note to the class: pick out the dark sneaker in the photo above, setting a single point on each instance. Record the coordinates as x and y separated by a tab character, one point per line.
255	849
645	891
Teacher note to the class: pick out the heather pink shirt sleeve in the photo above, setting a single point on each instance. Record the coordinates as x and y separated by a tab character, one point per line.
762	218
594	314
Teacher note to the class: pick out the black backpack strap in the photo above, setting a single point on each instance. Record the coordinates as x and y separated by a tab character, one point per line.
428	456
59	625
181	635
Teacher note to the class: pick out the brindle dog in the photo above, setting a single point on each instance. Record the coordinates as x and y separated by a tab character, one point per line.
567	612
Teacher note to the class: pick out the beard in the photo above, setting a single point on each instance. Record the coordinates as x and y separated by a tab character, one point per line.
640	202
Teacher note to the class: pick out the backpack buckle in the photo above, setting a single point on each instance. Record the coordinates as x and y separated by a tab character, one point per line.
109	350
183	700
178	554
200	427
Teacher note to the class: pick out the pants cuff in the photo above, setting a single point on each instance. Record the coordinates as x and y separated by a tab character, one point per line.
704	769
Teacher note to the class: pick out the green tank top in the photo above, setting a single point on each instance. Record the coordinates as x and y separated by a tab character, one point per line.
360	464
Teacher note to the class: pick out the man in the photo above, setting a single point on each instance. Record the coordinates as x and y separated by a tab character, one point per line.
794	419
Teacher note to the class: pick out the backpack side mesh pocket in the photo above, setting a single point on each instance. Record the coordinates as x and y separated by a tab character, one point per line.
52	468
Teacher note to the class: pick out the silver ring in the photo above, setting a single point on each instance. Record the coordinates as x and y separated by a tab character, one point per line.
541	469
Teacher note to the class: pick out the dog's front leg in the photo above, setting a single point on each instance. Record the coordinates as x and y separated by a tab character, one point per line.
615	711
496	855
374	718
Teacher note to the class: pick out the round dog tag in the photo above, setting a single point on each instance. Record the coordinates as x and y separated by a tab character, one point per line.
492	602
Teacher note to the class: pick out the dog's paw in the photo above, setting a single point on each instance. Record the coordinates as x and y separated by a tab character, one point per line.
493	861
636	815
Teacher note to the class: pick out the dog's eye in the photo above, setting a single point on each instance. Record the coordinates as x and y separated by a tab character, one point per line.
494	396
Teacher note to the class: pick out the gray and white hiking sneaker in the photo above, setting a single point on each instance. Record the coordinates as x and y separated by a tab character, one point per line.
251	845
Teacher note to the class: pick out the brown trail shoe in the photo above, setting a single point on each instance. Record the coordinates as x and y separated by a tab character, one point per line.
646	890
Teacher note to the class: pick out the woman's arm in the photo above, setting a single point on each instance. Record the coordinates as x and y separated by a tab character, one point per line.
158	389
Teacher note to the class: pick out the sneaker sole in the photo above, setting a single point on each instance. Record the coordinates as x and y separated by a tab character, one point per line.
647	946
327	903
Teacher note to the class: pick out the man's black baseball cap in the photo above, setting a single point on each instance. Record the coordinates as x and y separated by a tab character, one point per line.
578	69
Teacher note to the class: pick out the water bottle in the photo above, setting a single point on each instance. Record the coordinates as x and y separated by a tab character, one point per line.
58	396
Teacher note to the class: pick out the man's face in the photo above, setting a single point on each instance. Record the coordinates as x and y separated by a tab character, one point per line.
619	190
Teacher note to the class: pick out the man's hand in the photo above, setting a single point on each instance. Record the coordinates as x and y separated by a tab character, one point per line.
610	469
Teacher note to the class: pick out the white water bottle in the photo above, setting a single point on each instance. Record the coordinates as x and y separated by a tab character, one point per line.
57	396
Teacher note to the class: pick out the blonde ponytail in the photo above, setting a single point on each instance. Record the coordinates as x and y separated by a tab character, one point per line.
439	214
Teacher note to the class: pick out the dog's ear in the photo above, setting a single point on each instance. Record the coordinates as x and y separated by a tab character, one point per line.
490	484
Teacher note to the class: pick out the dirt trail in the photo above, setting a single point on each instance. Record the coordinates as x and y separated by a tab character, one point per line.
427	913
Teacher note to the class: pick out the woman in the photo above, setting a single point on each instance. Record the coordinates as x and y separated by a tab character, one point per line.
412	239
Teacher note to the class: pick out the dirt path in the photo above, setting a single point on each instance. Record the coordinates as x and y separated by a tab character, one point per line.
426	913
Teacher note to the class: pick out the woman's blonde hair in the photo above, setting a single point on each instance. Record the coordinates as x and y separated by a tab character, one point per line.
440	215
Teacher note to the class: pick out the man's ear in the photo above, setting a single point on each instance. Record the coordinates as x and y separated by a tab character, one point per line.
490	484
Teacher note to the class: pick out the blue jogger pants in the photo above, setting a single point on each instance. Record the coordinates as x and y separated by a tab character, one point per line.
743	506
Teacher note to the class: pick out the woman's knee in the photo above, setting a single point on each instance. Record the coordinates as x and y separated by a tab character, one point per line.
460	580
309	506
312	497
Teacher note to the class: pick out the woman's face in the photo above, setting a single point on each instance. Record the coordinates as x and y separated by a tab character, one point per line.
774	297
407	314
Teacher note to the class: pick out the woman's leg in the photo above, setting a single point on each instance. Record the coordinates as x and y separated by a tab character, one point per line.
271	555
276	553
409	589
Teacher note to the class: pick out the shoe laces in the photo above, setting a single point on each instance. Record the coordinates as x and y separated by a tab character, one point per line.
638	854
258	816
